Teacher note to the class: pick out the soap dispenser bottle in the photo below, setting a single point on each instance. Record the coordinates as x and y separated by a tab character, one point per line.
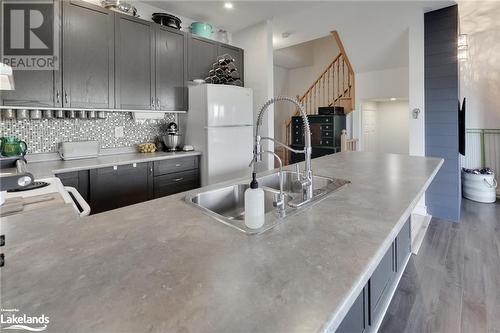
254	205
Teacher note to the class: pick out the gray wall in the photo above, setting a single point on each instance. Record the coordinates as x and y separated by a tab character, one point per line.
443	197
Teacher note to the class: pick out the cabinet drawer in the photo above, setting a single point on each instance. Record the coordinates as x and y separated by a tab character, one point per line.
175	165
327	134
326	142
175	183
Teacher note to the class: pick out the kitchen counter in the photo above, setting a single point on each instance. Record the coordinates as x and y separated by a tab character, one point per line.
163	266
49	168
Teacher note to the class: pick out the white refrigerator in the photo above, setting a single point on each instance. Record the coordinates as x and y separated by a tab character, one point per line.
220	125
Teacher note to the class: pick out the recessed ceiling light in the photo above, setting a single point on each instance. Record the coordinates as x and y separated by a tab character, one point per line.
393	99
228	5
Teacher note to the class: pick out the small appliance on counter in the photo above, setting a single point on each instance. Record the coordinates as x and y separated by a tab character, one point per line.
171	139
13	175
78	150
11	146
20	192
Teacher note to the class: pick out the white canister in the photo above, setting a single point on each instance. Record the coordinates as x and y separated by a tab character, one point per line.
480	188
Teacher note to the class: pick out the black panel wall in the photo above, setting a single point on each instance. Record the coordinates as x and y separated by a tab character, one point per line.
443	197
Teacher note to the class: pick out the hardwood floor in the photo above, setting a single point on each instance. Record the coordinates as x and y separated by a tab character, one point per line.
453	284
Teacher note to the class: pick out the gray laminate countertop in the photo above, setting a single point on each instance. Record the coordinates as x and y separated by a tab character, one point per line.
163	266
50	168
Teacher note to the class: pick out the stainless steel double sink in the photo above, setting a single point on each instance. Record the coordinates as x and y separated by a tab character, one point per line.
227	204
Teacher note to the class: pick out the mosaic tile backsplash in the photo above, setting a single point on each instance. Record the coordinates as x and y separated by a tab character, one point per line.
44	136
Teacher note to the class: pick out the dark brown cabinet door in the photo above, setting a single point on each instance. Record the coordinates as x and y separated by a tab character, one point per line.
88	34
78	180
171	68
119	186
202	54
134	63
36	87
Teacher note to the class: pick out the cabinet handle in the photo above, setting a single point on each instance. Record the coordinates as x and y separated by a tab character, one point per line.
178	179
115	167
153	107
2	240
178	165
66	98
57	97
2	260
158	107
134	165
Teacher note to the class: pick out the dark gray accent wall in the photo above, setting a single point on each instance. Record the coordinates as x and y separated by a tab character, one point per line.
443	198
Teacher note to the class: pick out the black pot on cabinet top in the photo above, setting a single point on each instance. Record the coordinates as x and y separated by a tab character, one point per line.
167	20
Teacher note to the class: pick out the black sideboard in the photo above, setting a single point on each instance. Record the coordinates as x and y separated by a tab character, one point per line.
325	135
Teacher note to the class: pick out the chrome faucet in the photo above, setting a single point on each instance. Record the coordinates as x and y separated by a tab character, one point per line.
306	179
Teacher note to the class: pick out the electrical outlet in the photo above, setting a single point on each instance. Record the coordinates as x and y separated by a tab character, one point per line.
119	132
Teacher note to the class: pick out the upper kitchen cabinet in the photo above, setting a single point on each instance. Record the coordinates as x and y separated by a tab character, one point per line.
236	53
202	54
35	87
171	69
134	63
88	51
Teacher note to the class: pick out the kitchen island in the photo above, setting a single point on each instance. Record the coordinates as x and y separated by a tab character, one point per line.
164	266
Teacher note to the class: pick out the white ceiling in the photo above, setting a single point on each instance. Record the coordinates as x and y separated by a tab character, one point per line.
299	55
244	13
374	33
477	16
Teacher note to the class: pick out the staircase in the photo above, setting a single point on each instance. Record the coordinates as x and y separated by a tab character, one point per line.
334	87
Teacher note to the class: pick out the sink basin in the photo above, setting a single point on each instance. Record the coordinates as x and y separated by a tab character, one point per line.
321	186
227	204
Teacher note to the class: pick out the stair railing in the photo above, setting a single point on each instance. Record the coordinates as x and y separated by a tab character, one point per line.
334	87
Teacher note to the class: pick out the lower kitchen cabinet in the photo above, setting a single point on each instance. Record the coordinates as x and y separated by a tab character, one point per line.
356	320
368	309
78	180
175	175
175	183
122	185
380	282
119	186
